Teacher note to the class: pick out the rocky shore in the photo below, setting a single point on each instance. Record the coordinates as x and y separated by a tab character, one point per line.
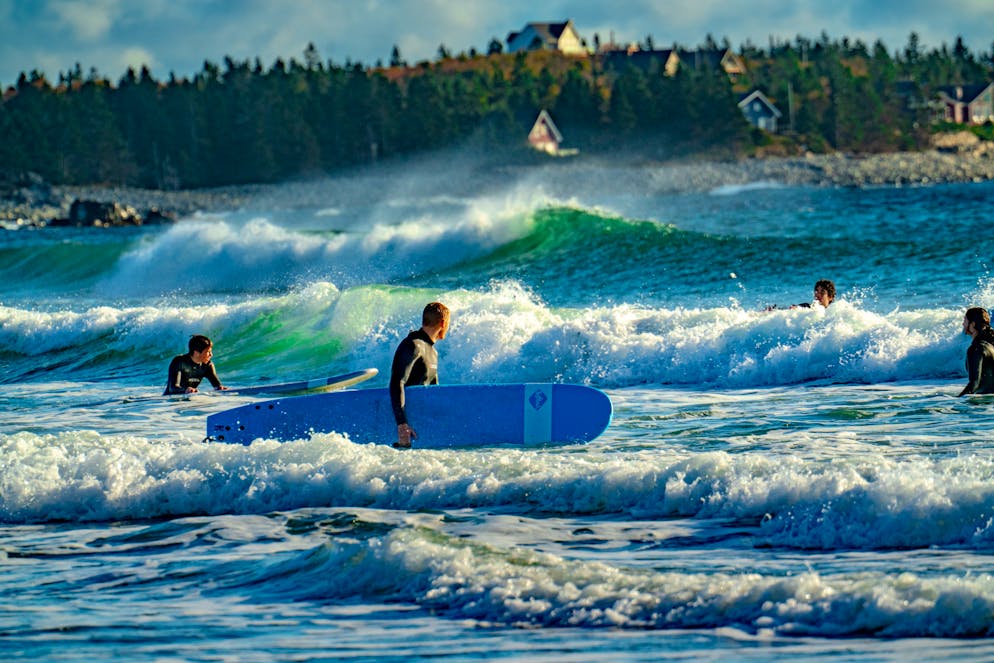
34	203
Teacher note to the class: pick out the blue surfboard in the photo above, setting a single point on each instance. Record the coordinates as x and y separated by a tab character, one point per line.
442	416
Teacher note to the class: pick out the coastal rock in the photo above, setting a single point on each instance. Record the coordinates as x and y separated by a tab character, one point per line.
97	214
958	141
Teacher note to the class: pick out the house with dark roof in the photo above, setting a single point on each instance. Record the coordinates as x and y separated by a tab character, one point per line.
667	61
713	59
759	111
561	37
657	61
967	104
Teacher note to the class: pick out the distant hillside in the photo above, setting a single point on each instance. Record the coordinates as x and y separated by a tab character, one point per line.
241	122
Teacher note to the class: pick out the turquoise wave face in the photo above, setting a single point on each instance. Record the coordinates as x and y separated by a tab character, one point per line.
41	264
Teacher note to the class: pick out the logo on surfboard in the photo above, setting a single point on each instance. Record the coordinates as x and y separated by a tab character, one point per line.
538	399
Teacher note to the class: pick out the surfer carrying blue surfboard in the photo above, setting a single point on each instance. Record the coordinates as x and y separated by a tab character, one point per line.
415	362
980	354
186	371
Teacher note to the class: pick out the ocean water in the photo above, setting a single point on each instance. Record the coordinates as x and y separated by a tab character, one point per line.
786	484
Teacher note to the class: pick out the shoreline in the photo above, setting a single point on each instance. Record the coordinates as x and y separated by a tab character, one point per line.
38	204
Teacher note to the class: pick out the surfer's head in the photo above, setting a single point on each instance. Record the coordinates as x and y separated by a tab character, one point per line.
824	292
200	348
435	317
978	318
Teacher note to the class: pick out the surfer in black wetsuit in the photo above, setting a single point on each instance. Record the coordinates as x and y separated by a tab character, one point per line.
186	371
824	295
416	363
980	354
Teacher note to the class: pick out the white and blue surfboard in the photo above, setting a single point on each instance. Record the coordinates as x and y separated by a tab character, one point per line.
320	384
342	381
442	416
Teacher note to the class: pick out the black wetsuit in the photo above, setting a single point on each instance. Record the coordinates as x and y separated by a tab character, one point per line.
184	372
980	365
415	362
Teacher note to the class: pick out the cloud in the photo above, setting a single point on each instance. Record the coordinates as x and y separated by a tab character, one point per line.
135	57
87	21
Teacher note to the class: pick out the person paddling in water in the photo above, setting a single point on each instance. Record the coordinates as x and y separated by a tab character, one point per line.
186	371
980	354
824	296
415	362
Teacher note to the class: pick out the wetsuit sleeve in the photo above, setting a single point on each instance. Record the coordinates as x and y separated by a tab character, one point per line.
211	374
400	371
175	378
974	357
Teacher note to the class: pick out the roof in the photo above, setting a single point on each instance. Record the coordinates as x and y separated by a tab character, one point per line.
547	31
641	59
964	93
544	118
757	95
709	58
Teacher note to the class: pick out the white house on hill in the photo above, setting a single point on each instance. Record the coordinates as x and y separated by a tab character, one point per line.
560	37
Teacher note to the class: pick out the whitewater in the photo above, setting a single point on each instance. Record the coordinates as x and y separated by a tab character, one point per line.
778	483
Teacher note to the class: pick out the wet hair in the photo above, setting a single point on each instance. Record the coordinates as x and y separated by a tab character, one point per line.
828	286
199	343
434	313
979	317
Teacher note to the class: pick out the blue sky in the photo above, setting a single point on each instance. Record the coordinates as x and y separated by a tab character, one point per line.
178	35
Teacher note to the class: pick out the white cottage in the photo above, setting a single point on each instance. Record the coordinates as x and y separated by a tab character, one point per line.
560	37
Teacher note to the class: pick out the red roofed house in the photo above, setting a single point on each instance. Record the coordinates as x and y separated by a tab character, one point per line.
544	136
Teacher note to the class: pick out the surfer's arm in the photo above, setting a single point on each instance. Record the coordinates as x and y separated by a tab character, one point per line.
211	375
400	372
174	381
974	357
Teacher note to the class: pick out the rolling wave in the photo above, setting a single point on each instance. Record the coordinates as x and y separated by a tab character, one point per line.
504	333
873	502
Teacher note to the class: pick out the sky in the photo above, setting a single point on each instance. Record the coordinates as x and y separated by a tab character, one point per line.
177	36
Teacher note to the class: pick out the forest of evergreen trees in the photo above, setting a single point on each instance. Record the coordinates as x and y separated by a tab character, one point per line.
242	122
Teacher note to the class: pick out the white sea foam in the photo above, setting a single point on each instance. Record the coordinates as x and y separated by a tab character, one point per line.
735	189
148	328
507	334
871	502
83	476
260	255
493	587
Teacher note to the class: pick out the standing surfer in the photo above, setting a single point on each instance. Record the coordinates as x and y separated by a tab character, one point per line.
415	362
980	354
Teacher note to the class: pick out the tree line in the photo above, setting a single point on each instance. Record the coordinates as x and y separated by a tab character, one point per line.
240	122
